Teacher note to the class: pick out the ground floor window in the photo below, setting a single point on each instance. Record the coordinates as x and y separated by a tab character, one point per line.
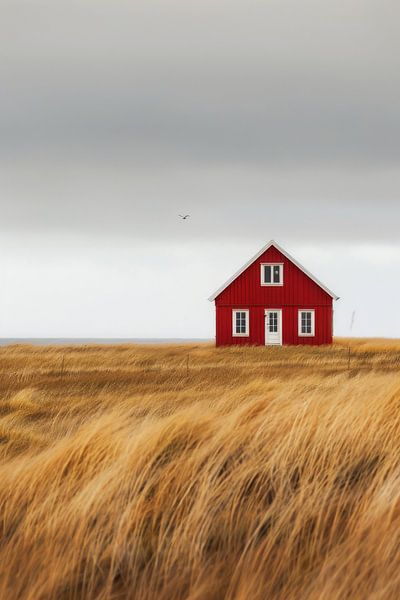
306	323
240	322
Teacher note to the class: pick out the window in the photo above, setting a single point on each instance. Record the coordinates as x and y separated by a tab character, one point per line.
306	323
271	274
240	323
272	322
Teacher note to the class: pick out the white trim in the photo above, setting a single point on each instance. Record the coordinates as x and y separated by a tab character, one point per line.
272	264
306	310
288	256
280	321
234	311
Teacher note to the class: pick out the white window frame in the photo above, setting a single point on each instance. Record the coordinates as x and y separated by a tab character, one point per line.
270	264
240	310
306	310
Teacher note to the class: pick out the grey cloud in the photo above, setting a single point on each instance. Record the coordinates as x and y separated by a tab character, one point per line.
254	116
288	81
120	200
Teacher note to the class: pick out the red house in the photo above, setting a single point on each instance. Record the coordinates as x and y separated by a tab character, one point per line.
273	300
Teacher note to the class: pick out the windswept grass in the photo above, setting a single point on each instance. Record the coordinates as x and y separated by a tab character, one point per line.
189	472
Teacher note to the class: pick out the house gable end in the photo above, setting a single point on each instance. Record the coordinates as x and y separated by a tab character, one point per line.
245	284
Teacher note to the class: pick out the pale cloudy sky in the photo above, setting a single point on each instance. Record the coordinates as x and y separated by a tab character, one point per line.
262	119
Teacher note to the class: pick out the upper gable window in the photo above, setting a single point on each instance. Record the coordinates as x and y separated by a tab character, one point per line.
271	274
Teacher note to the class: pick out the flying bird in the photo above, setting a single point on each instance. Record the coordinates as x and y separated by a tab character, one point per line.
184	216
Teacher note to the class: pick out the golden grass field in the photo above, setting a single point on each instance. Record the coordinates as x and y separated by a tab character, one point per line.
190	472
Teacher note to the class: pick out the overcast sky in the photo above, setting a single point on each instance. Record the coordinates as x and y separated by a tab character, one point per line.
261	118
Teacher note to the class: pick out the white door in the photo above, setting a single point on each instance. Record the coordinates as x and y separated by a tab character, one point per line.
273	326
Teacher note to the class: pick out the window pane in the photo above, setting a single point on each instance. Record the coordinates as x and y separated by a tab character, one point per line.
267	274
273	322
240	322
306	322
277	271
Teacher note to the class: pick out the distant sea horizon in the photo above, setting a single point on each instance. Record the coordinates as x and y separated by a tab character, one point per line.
86	341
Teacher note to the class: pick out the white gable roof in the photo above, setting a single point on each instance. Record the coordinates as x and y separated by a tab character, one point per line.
264	249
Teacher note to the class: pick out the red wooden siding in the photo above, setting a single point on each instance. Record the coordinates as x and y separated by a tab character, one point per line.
298	292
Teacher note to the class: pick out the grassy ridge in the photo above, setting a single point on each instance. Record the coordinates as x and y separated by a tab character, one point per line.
193	472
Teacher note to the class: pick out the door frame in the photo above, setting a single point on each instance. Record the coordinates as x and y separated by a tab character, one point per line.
280	326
